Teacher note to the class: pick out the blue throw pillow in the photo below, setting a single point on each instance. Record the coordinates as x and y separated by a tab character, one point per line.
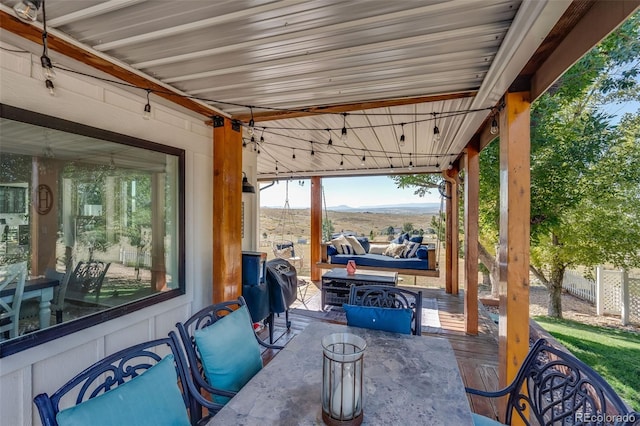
152	398
229	351
418	239
422	253
331	251
364	242
387	319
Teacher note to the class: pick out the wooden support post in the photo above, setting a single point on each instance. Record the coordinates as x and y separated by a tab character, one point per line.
515	202
471	193
316	226
451	237
227	209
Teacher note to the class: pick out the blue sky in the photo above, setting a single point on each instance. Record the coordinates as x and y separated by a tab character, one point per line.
374	190
353	192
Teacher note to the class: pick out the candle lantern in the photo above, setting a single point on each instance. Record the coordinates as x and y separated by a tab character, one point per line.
342	379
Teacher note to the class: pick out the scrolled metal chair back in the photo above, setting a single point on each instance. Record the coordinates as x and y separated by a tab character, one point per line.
554	387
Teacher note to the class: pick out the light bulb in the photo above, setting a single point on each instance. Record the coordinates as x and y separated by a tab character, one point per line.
27	10
450	165
363	160
401	141
343	135
252	125
494	126
147	112
51	87
47	67
410	165
436	134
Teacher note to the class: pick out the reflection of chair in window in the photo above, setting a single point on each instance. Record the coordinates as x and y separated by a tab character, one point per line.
31	308
86	280
10	304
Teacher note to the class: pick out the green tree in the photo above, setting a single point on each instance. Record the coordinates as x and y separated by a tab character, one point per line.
390	230
407	227
327	229
585	169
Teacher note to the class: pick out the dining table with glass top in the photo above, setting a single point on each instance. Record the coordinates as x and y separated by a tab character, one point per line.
408	380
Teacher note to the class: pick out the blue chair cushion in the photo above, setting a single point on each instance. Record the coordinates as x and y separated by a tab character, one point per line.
479	420
387	319
331	251
416	239
152	398
229	352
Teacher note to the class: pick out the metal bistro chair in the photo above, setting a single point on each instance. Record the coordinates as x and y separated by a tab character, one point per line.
161	397
553	387
31	307
390	297
235	352
87	279
10	307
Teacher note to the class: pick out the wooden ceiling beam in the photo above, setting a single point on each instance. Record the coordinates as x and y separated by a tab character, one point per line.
359	106
12	24
601	19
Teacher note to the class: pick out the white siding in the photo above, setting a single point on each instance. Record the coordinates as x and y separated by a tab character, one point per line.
91	102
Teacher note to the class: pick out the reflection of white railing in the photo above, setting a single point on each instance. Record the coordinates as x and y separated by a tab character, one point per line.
131	257
613	292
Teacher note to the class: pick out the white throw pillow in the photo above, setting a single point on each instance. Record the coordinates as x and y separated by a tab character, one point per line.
357	247
378	248
340	243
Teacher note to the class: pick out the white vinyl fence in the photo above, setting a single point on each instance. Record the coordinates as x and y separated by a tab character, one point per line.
613	292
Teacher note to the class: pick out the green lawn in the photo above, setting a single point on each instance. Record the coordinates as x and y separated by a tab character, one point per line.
614	354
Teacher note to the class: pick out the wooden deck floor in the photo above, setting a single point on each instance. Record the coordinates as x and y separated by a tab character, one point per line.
477	355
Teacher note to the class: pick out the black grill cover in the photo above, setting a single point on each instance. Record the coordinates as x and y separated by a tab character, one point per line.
282	279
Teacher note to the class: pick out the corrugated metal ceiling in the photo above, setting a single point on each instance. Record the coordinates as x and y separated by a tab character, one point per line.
293	54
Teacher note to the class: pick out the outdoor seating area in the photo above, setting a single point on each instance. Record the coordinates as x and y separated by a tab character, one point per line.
426	155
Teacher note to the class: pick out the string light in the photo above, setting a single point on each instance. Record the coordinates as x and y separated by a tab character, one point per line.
343	135
436	130
401	141
341	161
262	136
363	159
330	141
293	156
410	163
391	163
49	85
494	126
147	108
312	151
276	167
252	123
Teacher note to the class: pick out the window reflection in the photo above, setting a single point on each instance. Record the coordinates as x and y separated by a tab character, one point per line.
99	218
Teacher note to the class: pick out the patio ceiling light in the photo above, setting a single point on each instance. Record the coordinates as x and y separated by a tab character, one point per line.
246	186
27	10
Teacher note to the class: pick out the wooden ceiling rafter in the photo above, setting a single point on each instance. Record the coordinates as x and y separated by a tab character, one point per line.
12	24
359	106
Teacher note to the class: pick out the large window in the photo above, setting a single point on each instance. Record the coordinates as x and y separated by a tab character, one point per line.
97	217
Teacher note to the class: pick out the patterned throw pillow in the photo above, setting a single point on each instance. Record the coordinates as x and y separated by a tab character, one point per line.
394	250
410	249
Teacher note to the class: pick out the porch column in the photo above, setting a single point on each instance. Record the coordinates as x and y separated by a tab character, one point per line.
471	194
227	210
316	226
451	233
515	201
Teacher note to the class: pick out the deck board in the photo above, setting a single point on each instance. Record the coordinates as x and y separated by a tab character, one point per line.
477	356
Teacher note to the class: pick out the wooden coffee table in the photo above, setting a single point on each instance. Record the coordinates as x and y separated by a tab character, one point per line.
336	283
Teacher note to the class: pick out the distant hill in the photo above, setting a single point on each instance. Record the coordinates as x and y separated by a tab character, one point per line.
390	208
